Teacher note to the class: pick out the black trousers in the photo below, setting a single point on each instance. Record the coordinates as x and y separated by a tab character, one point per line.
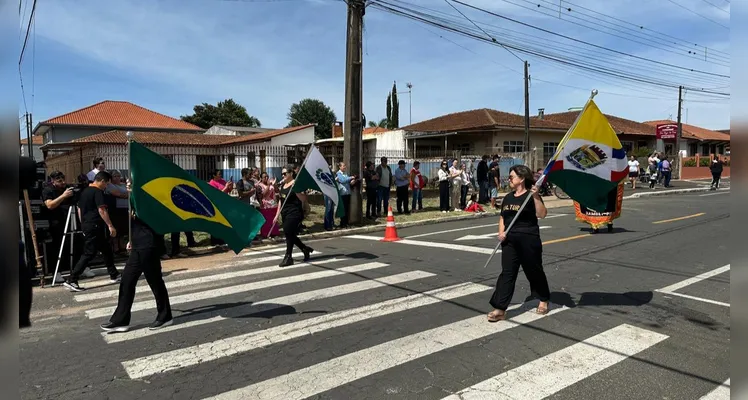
715	178
371	202
175	246
291	229
96	240
525	250
148	262
444	195
25	289
402	198
346	199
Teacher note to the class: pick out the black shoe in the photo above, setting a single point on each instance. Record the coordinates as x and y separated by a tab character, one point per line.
610	228
73	286
156	325
112	327
307	252
286	262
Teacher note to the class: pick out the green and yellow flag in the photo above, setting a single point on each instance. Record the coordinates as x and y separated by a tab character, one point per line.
169	199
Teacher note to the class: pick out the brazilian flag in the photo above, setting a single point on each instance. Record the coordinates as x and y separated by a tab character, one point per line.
169	199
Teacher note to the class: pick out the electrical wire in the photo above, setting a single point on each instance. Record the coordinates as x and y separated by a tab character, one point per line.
700	15
476	25
560	59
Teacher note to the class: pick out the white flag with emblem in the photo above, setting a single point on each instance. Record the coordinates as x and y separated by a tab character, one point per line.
315	174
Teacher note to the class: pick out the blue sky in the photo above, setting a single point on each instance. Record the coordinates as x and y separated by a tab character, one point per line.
169	55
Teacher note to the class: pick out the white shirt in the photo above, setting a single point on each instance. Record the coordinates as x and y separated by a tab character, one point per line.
634	166
443	175
457	180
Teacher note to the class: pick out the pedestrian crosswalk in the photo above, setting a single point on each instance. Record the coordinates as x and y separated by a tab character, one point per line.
357	314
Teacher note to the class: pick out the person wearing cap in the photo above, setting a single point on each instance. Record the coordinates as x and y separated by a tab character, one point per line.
402	181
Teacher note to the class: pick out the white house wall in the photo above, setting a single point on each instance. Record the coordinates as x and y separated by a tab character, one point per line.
302	136
392	140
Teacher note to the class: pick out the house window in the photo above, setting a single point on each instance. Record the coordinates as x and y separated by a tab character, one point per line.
232	161
462	148
514	146
628	146
642	144
169	157
251	160
704	149
549	149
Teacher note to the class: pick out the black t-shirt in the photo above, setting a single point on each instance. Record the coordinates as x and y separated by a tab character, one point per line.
293	206
91	199
144	237
527	221
58	215
493	174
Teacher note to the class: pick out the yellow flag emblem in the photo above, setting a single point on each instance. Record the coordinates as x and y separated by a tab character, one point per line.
185	199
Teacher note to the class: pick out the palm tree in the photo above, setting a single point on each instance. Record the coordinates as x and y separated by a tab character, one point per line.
382	123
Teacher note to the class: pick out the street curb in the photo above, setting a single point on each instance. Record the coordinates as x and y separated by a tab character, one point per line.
669	192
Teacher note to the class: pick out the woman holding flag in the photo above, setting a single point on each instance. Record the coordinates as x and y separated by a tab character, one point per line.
522	246
292	211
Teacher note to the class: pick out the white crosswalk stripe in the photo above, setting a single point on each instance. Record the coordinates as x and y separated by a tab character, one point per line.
203	341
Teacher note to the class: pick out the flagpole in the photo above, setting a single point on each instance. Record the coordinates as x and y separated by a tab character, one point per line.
542	177
129	135
314	143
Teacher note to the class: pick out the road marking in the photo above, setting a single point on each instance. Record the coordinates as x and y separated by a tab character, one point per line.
695	279
566	239
204	352
453	230
713	194
296	298
473	249
678	219
229	290
211	278
316	379
564	367
722	392
492	235
496	224
687	296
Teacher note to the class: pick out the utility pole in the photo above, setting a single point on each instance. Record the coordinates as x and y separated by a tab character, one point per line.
353	123
680	126
28	136
527	107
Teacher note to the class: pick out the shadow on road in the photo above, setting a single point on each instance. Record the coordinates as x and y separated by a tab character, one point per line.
629	299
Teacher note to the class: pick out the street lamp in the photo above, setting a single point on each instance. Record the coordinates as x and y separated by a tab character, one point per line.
410	103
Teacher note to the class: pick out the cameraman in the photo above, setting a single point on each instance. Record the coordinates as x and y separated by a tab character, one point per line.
92	210
58	198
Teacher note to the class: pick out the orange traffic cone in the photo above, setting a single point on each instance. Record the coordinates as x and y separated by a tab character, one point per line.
390	233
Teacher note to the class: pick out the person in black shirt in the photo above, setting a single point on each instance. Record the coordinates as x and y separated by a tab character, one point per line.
292	211
372	184
146	248
58	198
522	245
92	210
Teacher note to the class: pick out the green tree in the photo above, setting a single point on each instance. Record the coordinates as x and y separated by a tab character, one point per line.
227	112
389	110
395	117
381	124
312	111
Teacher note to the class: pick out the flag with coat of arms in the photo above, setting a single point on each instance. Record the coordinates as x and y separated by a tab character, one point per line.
315	174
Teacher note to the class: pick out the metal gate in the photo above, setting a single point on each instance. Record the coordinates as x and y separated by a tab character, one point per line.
206	166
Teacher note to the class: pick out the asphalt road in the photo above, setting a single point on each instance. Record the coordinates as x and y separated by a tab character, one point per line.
640	313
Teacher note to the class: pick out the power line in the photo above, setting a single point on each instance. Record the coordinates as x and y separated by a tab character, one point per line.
476	25
700	15
28	31
545	44
588	43
561	59
692	54
716	6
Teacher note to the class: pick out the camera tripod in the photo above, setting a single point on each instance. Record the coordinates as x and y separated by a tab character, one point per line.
71	227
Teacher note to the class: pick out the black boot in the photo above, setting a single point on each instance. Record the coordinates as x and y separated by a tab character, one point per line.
307	252
610	228
287	260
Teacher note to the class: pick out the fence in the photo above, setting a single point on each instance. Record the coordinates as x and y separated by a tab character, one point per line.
697	167
203	161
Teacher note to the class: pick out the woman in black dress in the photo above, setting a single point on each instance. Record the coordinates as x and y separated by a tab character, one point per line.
292	211
522	245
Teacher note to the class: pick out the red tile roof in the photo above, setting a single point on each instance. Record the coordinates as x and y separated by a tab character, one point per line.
35	140
121	114
479	119
694	132
620	125
374	130
183	139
